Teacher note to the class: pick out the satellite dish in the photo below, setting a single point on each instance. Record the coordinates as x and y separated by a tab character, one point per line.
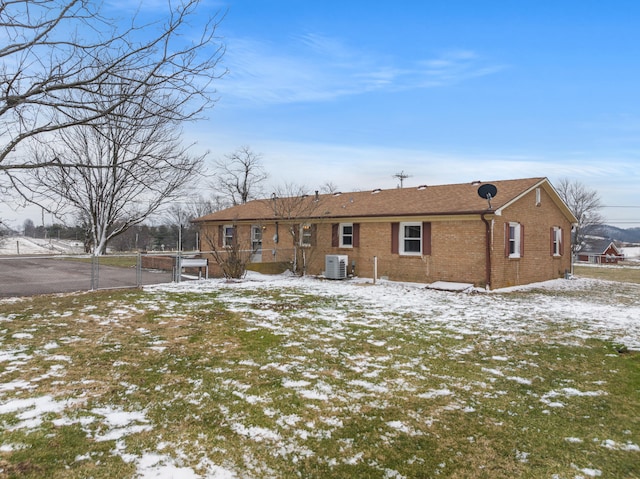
487	191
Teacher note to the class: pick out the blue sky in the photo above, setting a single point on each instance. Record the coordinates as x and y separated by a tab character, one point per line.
352	92
446	91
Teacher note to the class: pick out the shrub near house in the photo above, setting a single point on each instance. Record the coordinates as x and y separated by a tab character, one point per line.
422	234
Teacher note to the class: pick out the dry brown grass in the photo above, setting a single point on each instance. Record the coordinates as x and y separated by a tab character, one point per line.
237	377
627	274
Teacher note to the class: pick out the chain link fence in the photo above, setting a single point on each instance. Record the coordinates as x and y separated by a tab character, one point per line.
25	275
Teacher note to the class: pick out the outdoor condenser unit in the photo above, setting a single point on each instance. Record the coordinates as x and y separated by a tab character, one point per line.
335	266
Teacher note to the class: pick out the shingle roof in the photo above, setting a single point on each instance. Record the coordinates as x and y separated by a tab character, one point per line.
596	246
452	199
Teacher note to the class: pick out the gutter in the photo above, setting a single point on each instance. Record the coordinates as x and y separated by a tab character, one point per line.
341	217
487	254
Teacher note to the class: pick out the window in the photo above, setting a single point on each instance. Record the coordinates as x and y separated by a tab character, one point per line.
514	240
556	241
305	234
343	235
346	235
538	200
256	237
411	238
227	235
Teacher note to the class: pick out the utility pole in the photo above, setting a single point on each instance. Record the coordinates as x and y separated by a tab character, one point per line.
401	176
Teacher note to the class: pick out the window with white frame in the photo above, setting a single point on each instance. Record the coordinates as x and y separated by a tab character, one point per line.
411	238
556	241
305	234
346	235
514	246
227	235
256	237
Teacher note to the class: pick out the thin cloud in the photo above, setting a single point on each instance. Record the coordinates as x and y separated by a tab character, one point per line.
363	167
317	68
451	67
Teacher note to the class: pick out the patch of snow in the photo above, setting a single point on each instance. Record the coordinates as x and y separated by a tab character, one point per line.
587	471
435	393
574	440
255	433
403	428
24	245
287	383
22	336
313	394
575	392
500	358
122	423
631	252
519	380
18	384
31	410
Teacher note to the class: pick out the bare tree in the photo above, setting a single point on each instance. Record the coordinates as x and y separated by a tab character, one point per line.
241	175
4	231
329	187
28	227
295	208
123	168
231	249
585	204
201	206
57	54
179	215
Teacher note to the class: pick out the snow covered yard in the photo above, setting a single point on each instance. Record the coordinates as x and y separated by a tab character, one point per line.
24	245
289	377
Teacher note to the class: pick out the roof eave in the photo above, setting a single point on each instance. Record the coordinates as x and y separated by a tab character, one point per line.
347	217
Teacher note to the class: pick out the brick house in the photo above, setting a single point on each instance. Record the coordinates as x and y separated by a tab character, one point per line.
418	234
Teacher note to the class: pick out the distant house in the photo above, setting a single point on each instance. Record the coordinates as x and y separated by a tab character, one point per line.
419	234
600	251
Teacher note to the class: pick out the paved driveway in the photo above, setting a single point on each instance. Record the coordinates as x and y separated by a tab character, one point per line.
26	276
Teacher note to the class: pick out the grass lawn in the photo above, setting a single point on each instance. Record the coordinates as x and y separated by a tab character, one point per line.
121	261
308	378
611	273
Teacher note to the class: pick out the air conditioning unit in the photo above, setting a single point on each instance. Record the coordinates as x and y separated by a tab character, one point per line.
335	266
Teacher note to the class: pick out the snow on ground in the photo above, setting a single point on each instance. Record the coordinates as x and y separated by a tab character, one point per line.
24	245
496	315
631	253
460	311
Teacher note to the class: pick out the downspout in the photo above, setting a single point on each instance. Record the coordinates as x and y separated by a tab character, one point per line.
487	253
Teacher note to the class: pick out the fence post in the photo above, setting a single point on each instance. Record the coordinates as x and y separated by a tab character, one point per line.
139	270
95	272
375	269
178	268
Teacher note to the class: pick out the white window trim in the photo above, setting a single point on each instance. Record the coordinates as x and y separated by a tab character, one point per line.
256	233
557	241
341	235
301	232
402	238
226	243
517	240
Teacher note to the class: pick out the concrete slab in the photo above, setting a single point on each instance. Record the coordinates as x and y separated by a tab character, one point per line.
450	286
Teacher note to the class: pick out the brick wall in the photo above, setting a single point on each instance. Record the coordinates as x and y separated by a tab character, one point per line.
458	250
537	263
457	253
279	253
